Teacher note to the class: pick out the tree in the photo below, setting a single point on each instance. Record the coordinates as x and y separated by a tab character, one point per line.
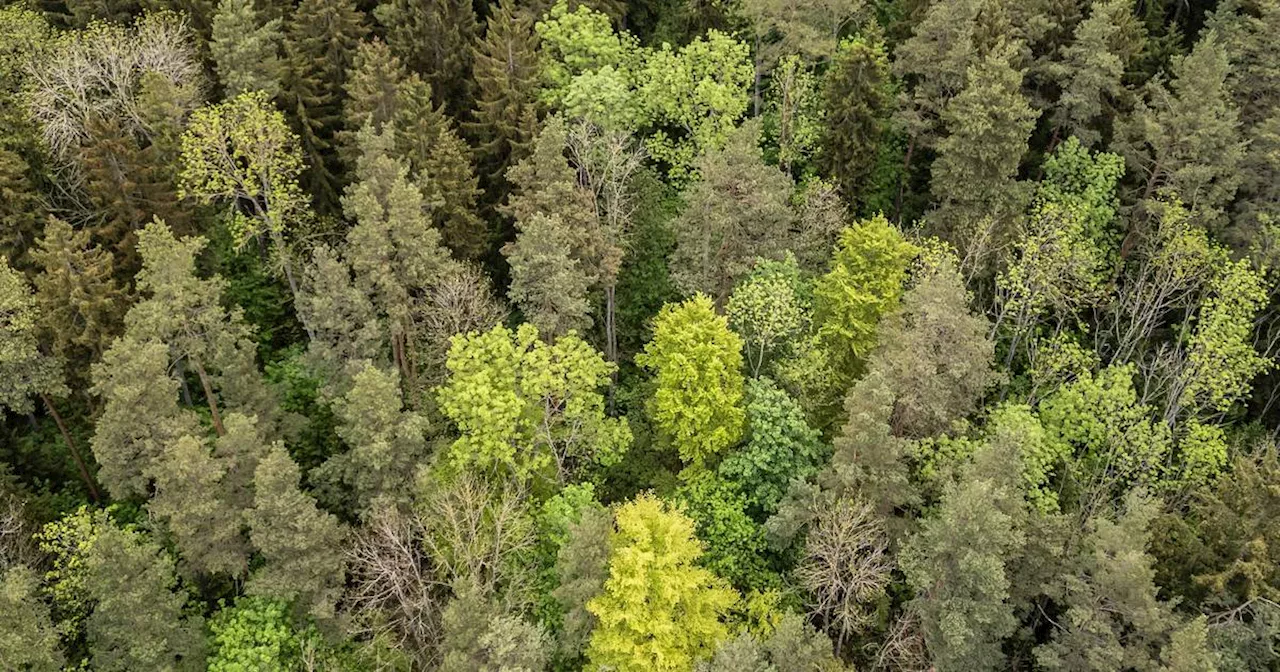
770	310
845	568
320	46
1185	137
505	117
975	177
957	566
24	369
387	441
933	63
1092	72
344	328
581	569
935	354
480	635
697	363
138	620
736	212
80	302
528	408
856	102
865	283
549	284
658	611
30	641
780	447
300	544
242	152
435	37
392	249
255	633
734	545
246	49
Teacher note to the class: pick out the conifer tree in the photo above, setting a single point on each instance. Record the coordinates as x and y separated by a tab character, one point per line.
345	329
857	100
393	251
933	62
300	544
138	621
440	162
975	176
505	117
20	208
1092	72
374	91
246	49
735	213
1185	137
189	498
30	640
321	37
81	305
434	38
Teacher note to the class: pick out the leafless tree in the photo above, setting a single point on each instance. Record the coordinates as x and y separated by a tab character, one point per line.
845	567
460	303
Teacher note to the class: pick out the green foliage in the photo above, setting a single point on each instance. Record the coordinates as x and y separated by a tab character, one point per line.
434	37
735	544
24	370
30	641
697	362
255	634
246	49
780	447
865	283
659	610
80	303
479	635
529	408
857	99
1222	360
770	310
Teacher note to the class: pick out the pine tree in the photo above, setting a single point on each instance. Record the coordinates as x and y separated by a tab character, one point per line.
435	38
321	38
189	497
138	620
344	326
393	251
548	282
30	641
505	117
300	544
857	99
1185	137
246	49
1091	73
975	177
735	213
20	208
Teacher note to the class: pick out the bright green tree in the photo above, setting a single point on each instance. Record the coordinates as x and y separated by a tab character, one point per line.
255	633
865	283
242	153
529	408
770	310
697	365
659	610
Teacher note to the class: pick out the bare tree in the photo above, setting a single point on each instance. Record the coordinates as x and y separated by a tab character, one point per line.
845	568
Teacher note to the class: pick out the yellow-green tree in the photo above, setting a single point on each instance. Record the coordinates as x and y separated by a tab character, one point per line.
697	360
659	610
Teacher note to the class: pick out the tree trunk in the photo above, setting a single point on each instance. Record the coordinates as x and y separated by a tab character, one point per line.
71	445
209	397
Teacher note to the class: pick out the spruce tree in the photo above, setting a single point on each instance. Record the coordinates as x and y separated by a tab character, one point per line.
373	97
857	99
246	49
504	120
20	208
321	38
434	38
1091	73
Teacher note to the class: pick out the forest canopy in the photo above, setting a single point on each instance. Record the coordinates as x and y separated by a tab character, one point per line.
639	335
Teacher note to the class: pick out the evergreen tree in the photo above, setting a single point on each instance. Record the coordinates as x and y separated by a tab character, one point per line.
435	38
138	621
1091	73
504	120
81	305
20	208
246	49
30	640
735	213
300	544
857	100
975	176
374	91
1185	138
441	165
345	329
321	37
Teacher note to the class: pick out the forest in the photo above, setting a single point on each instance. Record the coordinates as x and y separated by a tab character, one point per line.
639	335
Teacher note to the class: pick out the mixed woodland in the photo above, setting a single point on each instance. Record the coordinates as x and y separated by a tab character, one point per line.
639	335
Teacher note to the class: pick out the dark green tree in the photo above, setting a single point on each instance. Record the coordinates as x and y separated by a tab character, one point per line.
857	100
435	38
